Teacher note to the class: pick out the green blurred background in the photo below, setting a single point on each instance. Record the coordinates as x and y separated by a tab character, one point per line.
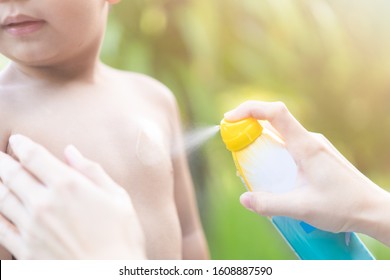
329	61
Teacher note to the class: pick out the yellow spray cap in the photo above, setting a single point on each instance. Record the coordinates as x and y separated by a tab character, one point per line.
238	135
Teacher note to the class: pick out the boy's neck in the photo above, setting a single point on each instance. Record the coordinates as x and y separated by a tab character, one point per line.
54	74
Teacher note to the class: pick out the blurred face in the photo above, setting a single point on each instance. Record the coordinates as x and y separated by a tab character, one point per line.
45	32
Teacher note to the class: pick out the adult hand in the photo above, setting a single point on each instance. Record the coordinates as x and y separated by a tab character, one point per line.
50	210
330	193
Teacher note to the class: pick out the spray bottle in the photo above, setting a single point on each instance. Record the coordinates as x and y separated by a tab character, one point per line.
264	164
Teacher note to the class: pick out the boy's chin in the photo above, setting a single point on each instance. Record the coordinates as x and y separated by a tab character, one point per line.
40	59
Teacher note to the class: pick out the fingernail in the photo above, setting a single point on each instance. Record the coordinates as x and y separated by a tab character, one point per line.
72	154
246	200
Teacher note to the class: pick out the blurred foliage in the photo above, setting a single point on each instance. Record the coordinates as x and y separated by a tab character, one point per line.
328	60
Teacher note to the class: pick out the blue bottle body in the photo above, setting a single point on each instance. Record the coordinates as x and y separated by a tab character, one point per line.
310	243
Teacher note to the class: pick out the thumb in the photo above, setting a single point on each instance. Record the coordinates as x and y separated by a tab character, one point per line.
270	204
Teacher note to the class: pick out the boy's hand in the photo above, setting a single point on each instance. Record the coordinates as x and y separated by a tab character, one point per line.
53	211
330	192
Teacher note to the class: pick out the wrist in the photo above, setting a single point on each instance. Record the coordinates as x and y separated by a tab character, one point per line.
373	219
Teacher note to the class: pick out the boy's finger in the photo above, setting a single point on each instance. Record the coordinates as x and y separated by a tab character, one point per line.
88	168
36	159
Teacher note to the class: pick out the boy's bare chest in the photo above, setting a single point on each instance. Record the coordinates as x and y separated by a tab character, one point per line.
130	144
130	141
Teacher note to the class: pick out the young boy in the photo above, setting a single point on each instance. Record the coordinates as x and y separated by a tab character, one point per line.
57	92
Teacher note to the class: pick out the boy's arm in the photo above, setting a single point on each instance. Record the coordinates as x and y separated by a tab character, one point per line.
194	244
194	241
4	254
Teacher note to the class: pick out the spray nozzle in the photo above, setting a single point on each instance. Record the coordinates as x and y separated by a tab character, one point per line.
238	135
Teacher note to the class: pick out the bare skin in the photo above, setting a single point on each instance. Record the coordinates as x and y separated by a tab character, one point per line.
126	122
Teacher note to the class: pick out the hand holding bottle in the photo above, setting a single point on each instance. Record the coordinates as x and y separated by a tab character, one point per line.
331	193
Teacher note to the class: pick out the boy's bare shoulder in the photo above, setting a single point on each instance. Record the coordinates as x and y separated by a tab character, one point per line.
152	89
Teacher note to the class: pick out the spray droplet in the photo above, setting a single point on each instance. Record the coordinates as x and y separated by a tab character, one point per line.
194	139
